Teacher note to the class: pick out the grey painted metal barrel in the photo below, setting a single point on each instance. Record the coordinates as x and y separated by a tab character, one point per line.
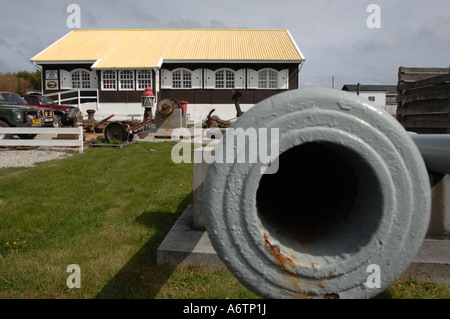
435	150
344	214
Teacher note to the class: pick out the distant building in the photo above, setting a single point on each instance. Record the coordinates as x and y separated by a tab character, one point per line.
108	70
382	95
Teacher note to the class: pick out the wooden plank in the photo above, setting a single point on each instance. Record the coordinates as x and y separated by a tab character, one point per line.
437	89
408	111
426	124
412	77
427	106
426	82
423	97
412	74
404	69
437	118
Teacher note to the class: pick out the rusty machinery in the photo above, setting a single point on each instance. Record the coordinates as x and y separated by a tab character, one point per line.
214	121
122	131
168	115
351	194
167	106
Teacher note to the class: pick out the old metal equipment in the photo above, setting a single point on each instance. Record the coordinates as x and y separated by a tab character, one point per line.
122	131
344	215
91	125
167	106
214	121
169	116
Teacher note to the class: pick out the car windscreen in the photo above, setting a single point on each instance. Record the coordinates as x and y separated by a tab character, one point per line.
47	100
33	100
13	98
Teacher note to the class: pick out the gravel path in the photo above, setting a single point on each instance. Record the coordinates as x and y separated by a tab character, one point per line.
29	157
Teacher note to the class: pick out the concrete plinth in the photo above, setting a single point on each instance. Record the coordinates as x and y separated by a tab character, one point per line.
184	246
165	124
200	170
432	263
439	226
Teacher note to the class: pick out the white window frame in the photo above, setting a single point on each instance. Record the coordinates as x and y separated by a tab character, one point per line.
143	81
226	72
253	79
265	81
113	80
185	79
83	81
126	83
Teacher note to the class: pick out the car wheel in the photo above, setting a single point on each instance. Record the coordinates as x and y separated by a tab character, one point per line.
57	123
4	136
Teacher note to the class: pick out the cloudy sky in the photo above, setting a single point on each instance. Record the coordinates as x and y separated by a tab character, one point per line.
332	34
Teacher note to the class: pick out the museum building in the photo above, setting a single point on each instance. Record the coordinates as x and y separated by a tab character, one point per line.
108	70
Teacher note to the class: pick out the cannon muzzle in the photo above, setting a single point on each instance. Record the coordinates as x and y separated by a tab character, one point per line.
343	212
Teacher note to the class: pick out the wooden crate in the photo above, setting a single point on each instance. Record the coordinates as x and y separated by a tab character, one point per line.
424	100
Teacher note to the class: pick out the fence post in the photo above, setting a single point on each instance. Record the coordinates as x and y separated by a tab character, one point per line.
98	99
81	139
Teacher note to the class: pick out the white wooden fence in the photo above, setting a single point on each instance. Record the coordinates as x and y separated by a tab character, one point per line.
43	142
79	97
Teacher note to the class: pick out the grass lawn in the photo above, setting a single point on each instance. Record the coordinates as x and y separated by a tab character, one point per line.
107	211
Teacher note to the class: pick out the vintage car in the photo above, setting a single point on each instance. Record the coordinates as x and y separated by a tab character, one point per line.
66	114
47	115
18	116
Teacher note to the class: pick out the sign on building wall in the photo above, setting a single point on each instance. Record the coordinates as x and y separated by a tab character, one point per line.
51	80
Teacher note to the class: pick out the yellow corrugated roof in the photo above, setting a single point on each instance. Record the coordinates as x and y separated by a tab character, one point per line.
145	48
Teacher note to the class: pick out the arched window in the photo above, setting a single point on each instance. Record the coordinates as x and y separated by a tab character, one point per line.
81	79
267	79
182	79
225	79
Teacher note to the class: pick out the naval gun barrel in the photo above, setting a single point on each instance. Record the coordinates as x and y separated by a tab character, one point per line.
435	150
342	216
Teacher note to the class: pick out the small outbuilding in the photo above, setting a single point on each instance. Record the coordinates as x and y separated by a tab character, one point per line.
108	70
383	95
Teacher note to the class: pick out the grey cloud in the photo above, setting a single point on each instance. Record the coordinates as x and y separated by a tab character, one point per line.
184	23
216	24
377	41
435	32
